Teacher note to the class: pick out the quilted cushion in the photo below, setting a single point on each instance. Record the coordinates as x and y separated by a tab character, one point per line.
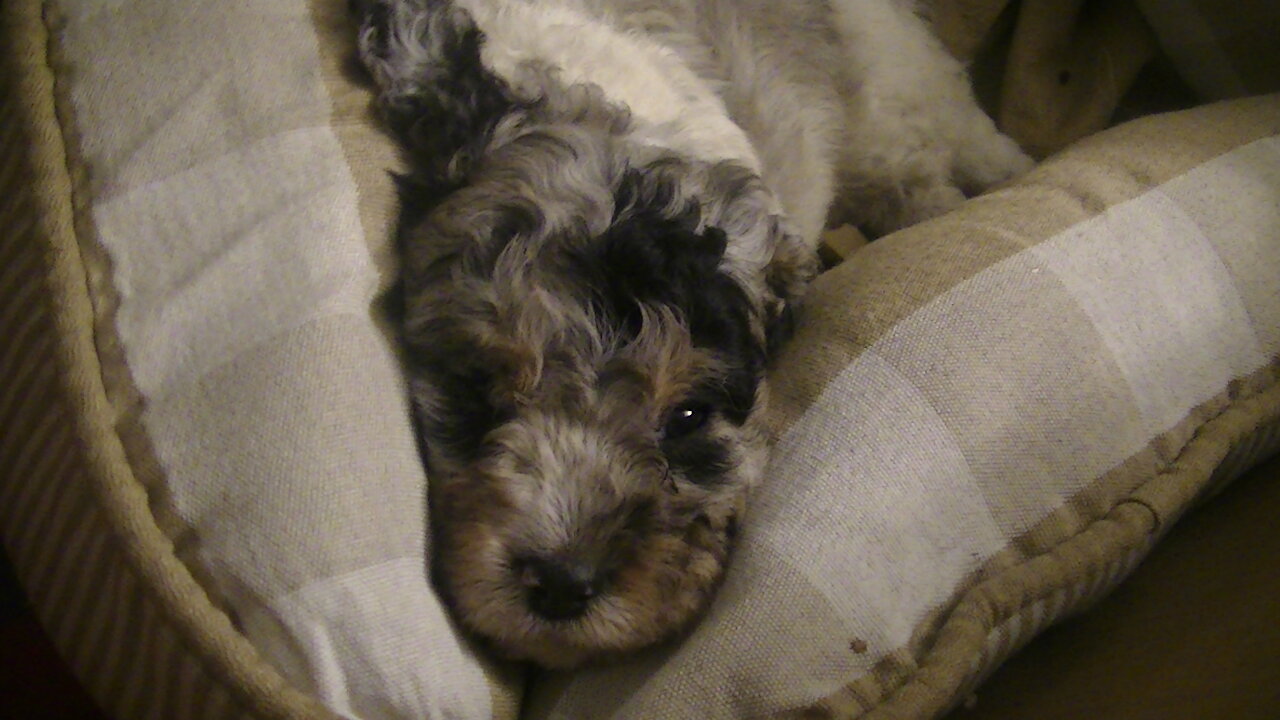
984	422
210	481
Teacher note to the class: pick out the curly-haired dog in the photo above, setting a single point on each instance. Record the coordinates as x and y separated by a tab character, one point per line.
610	208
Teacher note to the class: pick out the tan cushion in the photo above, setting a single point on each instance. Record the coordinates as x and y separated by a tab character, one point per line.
984	422
1192	634
226	259
125	613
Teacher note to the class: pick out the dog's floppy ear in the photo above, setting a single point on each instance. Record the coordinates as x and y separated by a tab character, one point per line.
437	97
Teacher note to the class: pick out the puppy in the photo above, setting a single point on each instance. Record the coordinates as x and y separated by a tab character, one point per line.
610	211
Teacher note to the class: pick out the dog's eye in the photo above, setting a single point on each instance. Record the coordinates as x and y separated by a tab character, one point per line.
684	420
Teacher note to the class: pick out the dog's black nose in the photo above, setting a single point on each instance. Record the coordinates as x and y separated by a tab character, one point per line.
557	588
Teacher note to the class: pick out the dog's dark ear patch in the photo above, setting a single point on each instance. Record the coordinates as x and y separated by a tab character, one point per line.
648	257
655	254
441	109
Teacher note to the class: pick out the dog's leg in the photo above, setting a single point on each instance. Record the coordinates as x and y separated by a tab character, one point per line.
918	142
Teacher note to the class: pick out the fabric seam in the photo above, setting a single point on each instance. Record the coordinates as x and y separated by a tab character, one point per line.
1096	564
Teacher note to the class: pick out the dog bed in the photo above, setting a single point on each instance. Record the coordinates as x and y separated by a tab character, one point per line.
211	491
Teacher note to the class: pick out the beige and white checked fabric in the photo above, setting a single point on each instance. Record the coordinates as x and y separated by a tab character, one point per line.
233	282
125	613
209	480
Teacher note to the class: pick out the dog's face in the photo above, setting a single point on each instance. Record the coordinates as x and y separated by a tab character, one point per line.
587	332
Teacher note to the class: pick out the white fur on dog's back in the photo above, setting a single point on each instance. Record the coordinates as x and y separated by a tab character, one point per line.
919	141
670	105
852	101
709	79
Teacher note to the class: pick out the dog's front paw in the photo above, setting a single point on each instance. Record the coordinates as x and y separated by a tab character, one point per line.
925	201
993	159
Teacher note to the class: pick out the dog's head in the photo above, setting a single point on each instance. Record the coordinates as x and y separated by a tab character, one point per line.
587	357
587	321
